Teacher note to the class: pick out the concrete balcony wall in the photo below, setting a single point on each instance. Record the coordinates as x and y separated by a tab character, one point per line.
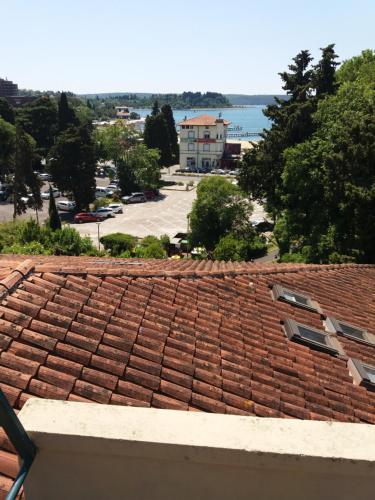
90	451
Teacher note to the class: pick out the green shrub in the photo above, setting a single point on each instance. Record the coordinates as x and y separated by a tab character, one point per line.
148	240
165	241
32	248
154	250
230	247
68	241
32	239
117	243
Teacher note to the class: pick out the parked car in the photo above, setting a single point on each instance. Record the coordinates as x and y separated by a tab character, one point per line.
104	212
55	192
27	198
88	217
116	208
233	172
113	185
44	176
66	206
101	192
110	191
134	198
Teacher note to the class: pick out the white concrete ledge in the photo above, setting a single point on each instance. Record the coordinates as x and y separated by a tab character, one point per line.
170	454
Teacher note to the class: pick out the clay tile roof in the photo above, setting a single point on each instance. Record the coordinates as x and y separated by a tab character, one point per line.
203	120
190	335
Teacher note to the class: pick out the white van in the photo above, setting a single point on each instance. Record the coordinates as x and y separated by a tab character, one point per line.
101	192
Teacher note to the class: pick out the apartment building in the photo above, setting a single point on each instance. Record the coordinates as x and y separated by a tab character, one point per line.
202	142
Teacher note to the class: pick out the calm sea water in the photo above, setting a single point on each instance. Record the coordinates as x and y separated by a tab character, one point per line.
250	119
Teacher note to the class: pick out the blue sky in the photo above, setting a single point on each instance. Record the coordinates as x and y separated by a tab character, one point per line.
228	46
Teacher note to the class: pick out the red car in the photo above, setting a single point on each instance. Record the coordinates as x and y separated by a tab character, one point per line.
150	193
87	217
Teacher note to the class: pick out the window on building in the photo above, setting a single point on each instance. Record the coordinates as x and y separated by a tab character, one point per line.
191	146
296	298
190	162
206	147
191	134
348	330
362	373
312	337
206	134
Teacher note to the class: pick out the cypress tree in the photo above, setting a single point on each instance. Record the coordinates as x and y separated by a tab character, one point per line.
155	108
54	219
66	114
167	112
156	136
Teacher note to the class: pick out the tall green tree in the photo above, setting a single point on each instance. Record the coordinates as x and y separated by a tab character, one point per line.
114	141
39	119
6	111
156	136
324	78
66	114
54	218
167	112
155	108
139	169
329	182
72	163
292	123
219	209
7	147
25	181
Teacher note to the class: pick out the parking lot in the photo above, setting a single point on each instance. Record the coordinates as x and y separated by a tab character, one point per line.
166	214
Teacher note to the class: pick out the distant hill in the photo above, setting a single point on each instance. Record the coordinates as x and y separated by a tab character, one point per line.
255	100
186	100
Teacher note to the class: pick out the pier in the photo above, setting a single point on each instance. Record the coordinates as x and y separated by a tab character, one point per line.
245	134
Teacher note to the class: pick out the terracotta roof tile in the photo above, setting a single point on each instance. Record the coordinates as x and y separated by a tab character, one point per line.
191	335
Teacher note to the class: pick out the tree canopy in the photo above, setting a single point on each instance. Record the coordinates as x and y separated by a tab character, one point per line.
72	163
320	182
139	169
220	208
156	136
39	119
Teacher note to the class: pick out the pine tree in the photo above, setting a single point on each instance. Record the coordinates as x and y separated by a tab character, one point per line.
167	112
66	115
54	219
324	72
155	109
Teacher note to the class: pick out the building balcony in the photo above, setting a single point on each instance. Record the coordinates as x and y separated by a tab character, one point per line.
188	139
95	451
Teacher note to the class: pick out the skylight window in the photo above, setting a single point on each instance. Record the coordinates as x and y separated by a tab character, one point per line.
350	331
312	337
296	298
362	373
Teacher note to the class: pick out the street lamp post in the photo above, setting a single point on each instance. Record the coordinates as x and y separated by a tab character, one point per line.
98	224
